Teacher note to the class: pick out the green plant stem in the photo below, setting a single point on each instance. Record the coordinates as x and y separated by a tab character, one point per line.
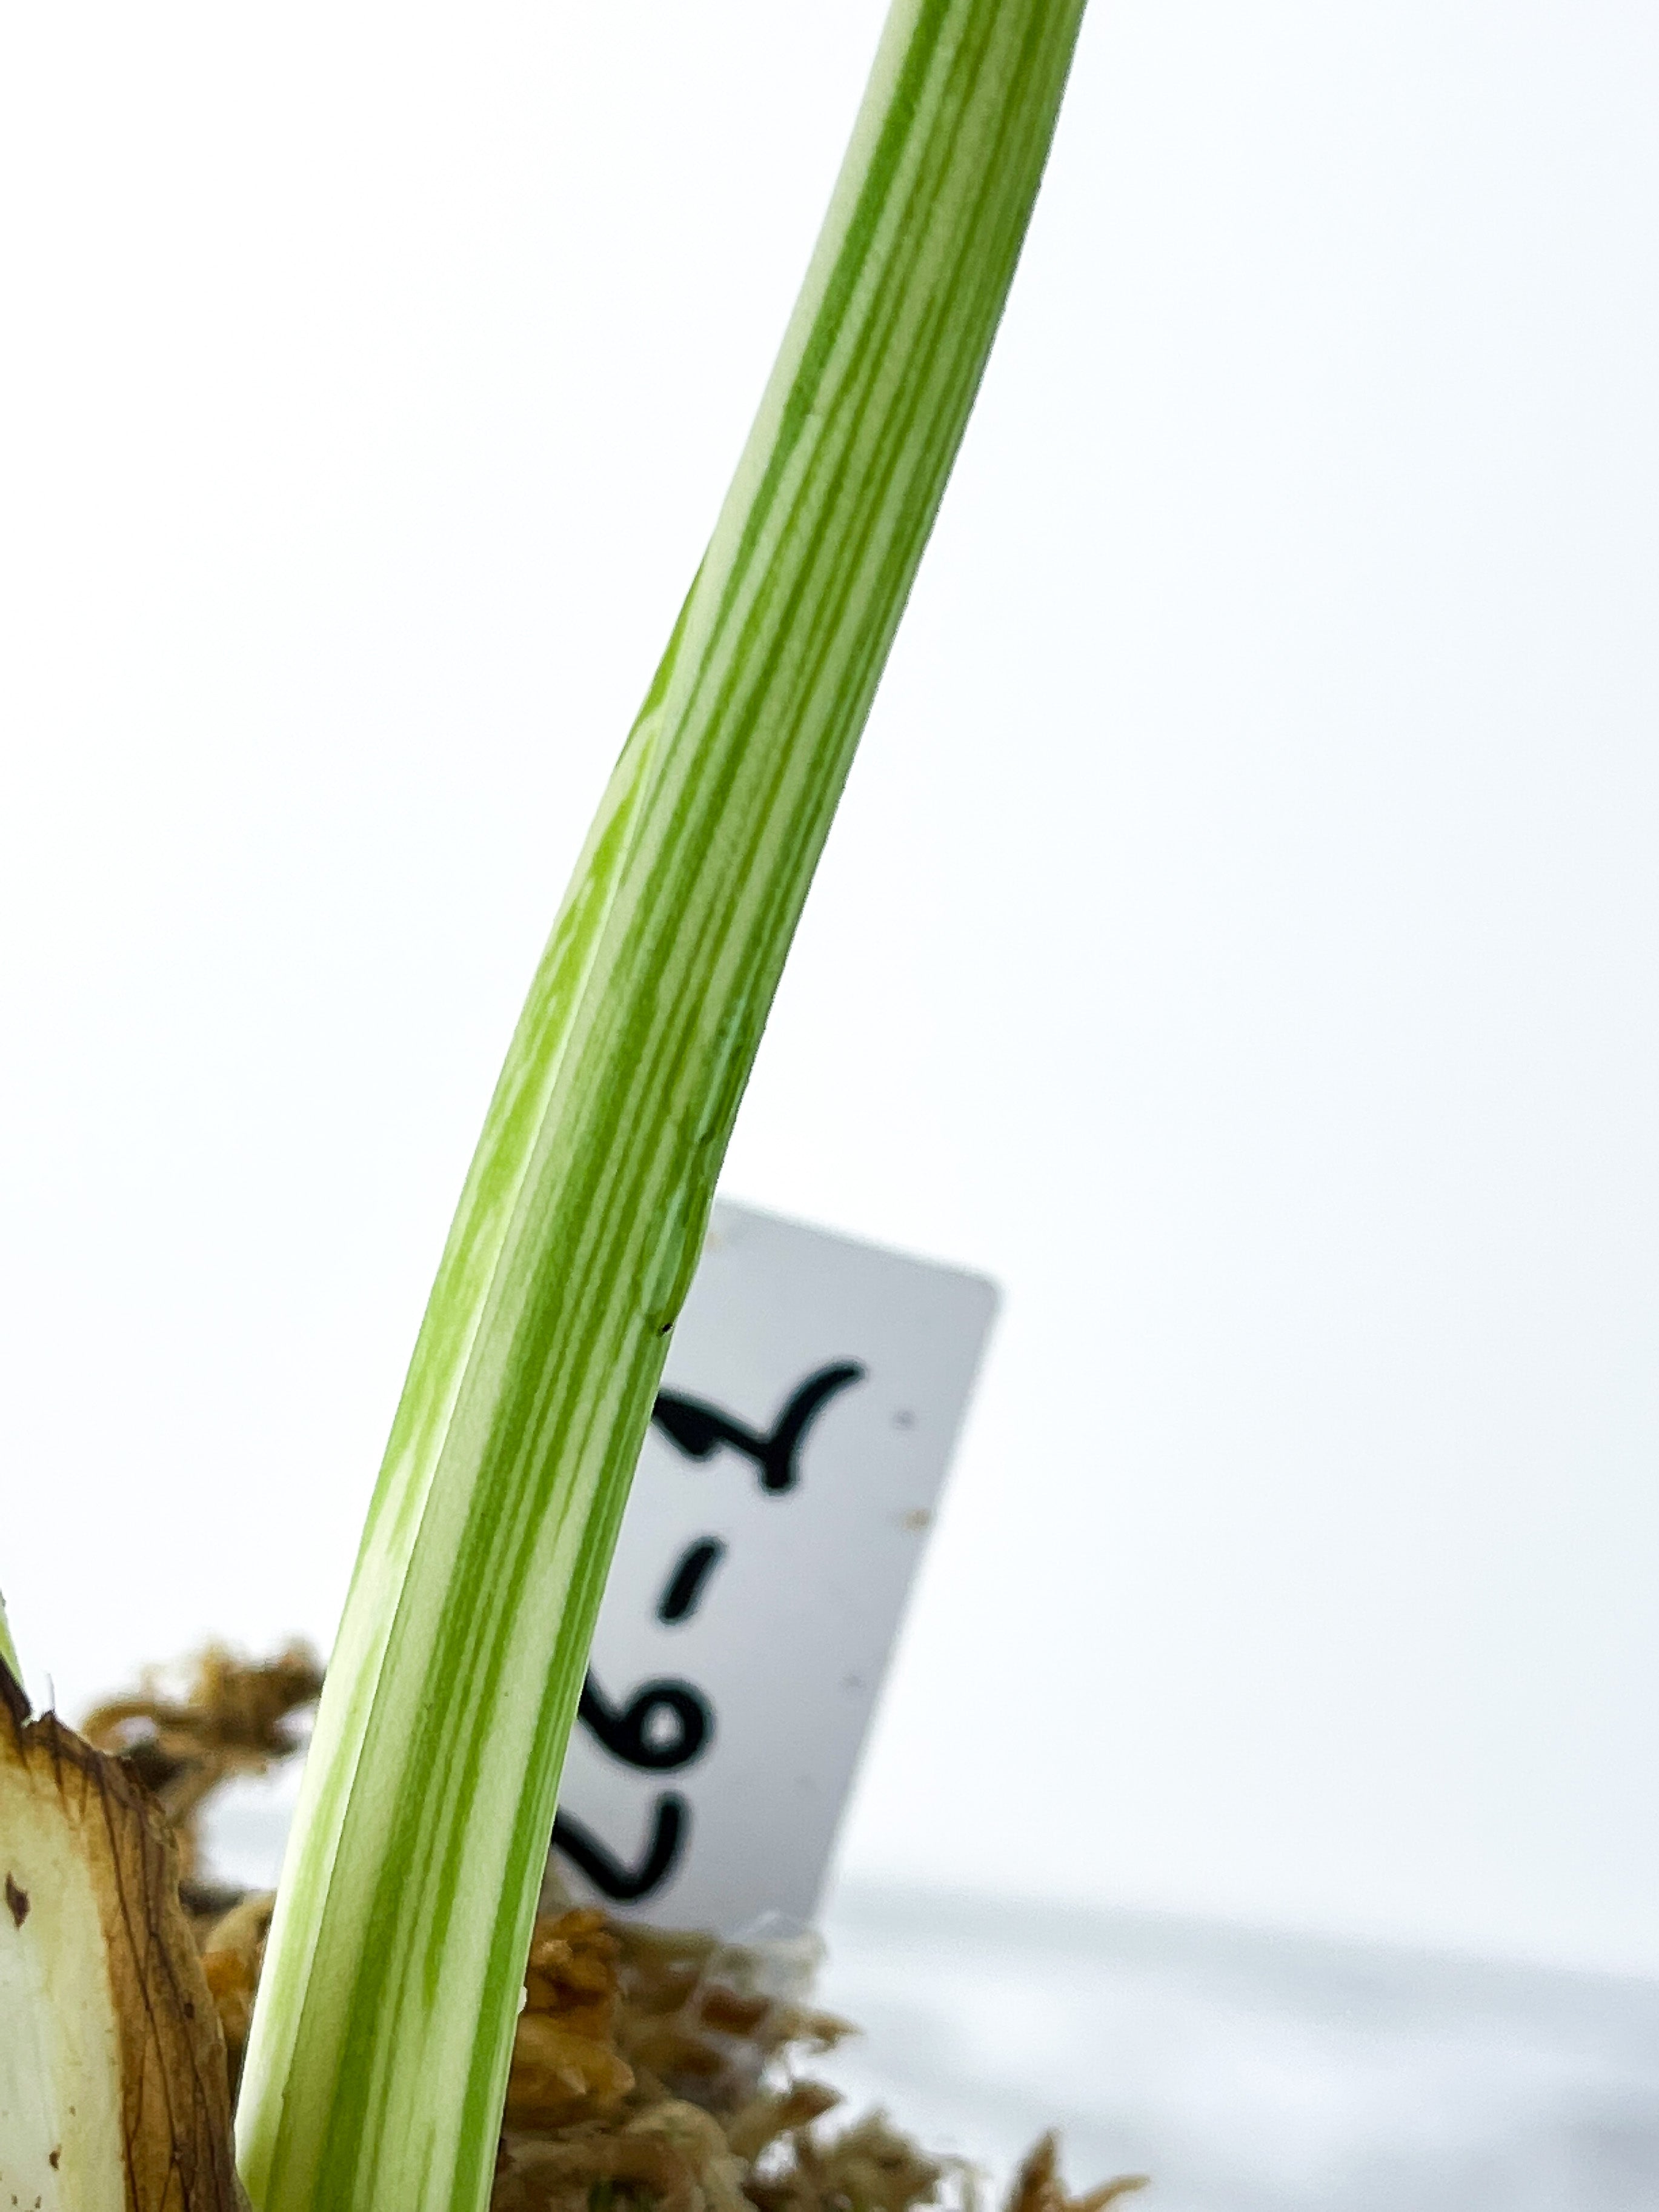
8	1658
377	2066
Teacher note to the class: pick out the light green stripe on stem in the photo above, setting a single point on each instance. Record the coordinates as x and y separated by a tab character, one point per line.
8	1658
377	2066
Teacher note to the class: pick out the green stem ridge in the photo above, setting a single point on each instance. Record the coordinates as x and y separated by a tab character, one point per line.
378	2065
8	1658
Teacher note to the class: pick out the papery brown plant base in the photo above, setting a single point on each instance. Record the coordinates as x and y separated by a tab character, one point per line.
651	2068
112	2084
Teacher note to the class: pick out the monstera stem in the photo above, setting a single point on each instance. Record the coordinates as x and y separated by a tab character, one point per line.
381	2042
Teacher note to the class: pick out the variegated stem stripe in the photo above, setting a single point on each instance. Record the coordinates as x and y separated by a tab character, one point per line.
378	2066
8	1658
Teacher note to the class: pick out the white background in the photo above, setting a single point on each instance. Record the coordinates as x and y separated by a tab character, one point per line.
1239	938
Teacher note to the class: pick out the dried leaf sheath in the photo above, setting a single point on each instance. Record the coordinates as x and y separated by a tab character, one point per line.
112	2089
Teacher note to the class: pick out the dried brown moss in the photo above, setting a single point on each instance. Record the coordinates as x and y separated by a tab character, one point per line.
653	2068
1038	2188
229	1719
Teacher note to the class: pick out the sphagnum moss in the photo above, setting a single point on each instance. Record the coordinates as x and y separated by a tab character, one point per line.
653	2069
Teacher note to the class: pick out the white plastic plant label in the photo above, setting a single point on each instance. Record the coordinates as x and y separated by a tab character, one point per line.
807	1419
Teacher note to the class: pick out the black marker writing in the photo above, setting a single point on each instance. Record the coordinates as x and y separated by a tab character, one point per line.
699	1431
665	1725
632	1732
670	1826
683	1592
